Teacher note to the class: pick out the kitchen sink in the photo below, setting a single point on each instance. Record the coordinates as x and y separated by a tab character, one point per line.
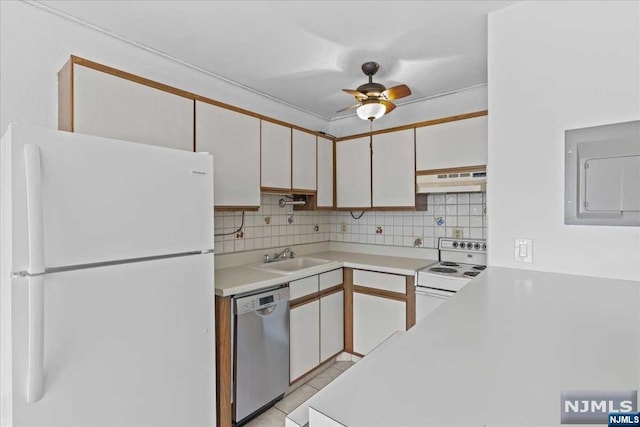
291	266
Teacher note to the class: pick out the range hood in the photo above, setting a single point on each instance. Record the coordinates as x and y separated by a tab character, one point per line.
454	181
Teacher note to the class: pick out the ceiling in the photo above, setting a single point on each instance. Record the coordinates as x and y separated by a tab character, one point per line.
303	53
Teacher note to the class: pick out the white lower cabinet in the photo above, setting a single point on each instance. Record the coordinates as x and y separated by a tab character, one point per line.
375	319
316	328
304	340
331	325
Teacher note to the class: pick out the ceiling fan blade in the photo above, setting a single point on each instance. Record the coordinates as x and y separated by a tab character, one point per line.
351	107
389	105
358	95
396	92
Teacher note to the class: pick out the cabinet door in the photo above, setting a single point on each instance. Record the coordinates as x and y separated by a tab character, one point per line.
353	173
374	320
303	146
331	278
276	156
113	107
303	287
324	197
393	173
452	145
331	325
234	140
304	344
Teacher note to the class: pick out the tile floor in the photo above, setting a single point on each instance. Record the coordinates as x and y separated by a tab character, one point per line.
274	417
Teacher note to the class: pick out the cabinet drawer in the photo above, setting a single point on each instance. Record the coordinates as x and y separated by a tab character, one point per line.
384	281
330	279
303	287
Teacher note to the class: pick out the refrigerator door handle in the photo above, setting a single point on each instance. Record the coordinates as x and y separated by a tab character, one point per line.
35	231
35	355
35	223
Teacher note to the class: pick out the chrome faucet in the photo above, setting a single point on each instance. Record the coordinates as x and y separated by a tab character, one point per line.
280	255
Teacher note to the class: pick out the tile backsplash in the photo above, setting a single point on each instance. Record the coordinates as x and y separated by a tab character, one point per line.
444	213
272	226
269	227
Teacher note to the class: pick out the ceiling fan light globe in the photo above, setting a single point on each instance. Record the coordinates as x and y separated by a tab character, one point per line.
371	111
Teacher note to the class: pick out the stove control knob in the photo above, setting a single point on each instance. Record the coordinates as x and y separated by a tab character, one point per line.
454	244
484	246
476	246
469	245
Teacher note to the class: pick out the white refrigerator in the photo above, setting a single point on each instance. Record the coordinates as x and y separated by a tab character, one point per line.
107	282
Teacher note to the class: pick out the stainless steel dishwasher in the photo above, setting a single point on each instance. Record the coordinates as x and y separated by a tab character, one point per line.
261	352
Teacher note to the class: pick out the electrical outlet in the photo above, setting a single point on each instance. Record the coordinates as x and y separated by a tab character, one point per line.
343	227
458	233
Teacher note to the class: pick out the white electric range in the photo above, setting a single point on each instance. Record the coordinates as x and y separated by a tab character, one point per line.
460	261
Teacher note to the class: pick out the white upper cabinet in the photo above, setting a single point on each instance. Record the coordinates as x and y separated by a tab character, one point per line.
455	144
324	196
393	173
353	173
276	156
234	140
303	148
114	107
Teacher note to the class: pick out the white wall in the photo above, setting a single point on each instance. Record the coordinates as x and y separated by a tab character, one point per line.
35	44
556	66
464	101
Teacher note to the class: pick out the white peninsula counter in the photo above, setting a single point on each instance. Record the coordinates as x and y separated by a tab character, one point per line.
498	353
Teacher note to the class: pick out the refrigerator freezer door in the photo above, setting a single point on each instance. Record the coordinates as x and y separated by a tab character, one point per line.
125	345
106	200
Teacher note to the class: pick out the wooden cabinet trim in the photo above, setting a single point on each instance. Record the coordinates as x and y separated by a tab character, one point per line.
475	168
302	191
275	190
76	60
304	300
330	291
348	308
330	357
303	376
235	208
411	301
397	296
335	184
223	361
417	125
314	296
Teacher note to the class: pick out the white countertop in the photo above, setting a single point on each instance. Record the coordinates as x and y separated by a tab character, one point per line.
497	353
240	279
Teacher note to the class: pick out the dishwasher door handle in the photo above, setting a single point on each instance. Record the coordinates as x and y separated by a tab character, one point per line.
266	311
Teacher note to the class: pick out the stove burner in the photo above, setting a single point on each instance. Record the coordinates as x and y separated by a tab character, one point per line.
443	270
449	264
471	273
479	267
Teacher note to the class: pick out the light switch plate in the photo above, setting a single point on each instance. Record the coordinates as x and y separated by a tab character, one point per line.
523	250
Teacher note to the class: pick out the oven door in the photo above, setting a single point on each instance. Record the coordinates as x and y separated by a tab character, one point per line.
428	299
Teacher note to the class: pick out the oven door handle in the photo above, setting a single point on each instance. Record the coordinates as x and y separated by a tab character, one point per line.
436	293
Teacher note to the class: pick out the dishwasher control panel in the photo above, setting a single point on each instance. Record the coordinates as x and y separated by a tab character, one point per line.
263	299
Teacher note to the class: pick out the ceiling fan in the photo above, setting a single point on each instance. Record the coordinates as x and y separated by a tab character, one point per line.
374	100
